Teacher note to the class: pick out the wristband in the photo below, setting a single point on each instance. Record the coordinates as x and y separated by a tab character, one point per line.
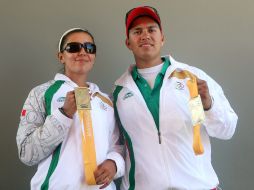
210	106
62	111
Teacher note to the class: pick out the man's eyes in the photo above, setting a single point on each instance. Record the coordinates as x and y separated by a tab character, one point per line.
150	30
137	32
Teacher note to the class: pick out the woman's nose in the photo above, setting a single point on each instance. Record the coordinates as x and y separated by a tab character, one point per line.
82	51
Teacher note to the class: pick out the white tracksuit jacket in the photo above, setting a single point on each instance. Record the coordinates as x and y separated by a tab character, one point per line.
43	127
171	164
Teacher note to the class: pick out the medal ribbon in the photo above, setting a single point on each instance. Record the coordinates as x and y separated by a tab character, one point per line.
88	147
83	103
197	143
193	89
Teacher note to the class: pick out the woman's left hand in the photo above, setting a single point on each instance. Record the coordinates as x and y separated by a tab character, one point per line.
105	173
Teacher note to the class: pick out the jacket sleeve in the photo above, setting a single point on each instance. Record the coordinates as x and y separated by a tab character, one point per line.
116	151
38	134
221	119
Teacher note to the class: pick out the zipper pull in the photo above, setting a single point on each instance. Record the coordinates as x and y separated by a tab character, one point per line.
159	135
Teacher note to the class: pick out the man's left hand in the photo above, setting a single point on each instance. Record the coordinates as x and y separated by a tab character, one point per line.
203	91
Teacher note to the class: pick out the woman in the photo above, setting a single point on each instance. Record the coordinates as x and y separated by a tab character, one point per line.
51	132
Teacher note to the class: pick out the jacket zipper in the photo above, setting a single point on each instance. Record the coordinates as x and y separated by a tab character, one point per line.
159	136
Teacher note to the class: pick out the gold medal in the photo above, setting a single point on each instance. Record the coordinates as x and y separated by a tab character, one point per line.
82	97
197	111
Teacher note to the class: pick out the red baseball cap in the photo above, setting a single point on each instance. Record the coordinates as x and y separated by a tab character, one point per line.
134	13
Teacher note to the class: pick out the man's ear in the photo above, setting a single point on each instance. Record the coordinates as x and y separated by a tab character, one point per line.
127	43
162	39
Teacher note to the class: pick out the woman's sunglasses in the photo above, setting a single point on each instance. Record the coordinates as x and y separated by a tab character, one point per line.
75	47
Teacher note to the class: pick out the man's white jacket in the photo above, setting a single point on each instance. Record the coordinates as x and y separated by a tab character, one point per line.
171	164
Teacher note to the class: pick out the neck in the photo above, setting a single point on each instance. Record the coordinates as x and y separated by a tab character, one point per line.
147	63
81	83
80	80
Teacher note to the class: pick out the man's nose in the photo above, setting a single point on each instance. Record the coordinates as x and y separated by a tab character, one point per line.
145	34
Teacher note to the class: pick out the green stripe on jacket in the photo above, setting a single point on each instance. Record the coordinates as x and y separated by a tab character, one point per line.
55	157
128	141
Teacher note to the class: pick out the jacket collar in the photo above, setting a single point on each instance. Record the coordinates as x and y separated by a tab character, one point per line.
92	87
126	79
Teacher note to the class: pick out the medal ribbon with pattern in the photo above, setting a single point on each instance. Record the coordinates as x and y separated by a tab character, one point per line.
196	108
88	147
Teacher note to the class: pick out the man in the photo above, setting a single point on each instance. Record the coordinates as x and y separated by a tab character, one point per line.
152	103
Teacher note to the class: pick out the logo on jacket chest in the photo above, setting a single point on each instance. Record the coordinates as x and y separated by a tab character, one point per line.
103	106
179	85
60	99
127	95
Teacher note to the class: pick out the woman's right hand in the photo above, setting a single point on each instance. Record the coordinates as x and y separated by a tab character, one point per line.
69	106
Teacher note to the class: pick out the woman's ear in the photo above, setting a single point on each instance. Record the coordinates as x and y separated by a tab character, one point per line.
60	57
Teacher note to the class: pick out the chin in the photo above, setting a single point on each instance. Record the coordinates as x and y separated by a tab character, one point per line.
87	70
147	55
